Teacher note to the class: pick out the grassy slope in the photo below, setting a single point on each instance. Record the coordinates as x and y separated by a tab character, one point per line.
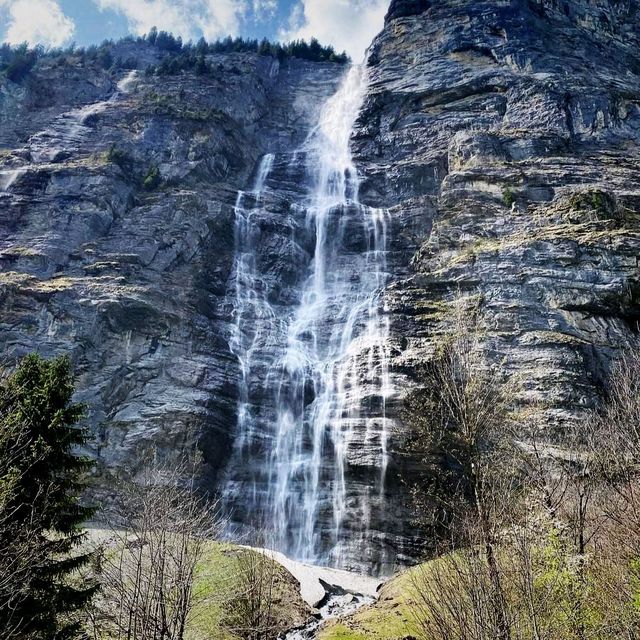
213	578
570	604
216	585
389	618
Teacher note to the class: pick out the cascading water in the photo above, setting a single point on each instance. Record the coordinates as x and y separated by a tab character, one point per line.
65	135
68	130
320	365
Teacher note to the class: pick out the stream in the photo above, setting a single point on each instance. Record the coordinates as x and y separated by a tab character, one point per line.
337	603
333	593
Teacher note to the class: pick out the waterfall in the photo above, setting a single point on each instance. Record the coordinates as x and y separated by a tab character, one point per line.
68	130
65	134
253	315
320	364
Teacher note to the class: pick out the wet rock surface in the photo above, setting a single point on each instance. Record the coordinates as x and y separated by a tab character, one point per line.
117	238
330	592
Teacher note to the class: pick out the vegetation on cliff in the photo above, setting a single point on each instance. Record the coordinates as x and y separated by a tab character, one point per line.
182	57
16	62
536	541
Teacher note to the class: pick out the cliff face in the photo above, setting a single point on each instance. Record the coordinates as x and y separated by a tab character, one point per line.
512	129
501	141
130	276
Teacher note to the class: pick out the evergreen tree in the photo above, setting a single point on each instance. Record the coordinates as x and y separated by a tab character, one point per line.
41	477
105	59
201	66
202	47
152	35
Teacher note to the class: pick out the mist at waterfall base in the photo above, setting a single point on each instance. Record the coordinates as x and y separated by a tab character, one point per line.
313	370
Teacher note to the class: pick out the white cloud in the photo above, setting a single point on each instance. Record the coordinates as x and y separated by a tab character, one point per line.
37	22
189	19
263	9
348	25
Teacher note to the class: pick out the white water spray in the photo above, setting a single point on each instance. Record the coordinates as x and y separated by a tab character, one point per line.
68	130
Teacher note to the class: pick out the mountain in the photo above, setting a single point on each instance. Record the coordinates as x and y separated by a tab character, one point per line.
183	236
509	131
133	280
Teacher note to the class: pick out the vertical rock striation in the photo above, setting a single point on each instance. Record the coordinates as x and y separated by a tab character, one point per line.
116	237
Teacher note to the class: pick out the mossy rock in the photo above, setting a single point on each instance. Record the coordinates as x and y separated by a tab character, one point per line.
594	205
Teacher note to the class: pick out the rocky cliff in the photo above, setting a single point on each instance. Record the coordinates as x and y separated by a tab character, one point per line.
510	131
117	235
500	139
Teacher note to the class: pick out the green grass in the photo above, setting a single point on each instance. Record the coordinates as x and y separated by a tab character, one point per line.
217	588
214	586
570	601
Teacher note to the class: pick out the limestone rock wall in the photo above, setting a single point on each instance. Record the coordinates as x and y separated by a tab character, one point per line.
503	137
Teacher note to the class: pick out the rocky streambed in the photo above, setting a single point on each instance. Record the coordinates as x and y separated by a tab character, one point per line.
331	593
337	604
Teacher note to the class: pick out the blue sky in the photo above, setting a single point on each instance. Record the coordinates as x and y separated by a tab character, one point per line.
347	24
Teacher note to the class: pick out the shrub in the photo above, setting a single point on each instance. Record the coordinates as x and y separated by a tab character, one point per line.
152	179
119	157
105	59
508	197
600	202
17	62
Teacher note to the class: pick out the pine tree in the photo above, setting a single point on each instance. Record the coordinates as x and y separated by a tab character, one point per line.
40	514
201	66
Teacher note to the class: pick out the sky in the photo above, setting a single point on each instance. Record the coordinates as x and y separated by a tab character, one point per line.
348	25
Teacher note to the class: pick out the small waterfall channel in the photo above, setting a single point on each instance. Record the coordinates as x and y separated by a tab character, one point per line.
68	131
65	135
314	373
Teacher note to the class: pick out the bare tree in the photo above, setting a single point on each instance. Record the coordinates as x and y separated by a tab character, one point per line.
543	538
616	458
460	422
617	449
252	603
148	568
